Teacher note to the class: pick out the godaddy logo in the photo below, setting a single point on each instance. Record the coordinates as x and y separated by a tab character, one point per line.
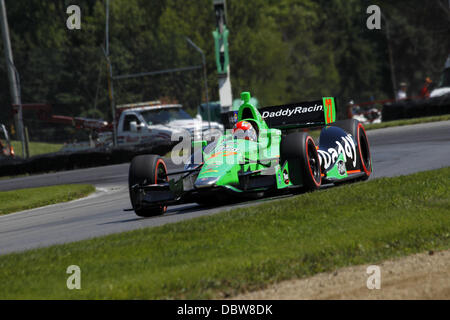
291	111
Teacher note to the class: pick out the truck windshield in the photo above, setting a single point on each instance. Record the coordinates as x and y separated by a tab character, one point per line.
445	79
163	116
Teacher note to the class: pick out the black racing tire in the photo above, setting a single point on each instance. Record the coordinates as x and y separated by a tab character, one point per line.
146	169
299	149
356	129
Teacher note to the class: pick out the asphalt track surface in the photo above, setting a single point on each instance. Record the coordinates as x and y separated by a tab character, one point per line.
395	151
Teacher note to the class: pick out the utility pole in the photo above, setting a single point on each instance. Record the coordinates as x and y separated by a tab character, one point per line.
204	77
222	58
110	76
12	76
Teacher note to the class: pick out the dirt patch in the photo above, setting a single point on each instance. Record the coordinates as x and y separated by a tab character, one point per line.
421	276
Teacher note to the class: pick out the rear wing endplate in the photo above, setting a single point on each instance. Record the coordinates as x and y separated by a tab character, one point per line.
295	115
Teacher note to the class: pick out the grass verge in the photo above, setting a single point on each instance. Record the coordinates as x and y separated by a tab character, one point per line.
36	148
245	249
23	199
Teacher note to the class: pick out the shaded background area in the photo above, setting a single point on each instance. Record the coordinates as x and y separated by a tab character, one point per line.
281	50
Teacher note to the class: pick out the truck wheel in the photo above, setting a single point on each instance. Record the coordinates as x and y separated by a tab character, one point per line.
299	149
146	169
356	129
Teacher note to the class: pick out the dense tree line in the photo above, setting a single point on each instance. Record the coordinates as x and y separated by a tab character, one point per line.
281	50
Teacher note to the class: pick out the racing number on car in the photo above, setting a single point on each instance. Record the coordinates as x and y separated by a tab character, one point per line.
329	106
328	103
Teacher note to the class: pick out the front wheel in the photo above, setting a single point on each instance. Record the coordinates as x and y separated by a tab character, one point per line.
146	169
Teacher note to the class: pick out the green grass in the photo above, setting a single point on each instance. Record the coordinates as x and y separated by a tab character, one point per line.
245	249
36	148
23	199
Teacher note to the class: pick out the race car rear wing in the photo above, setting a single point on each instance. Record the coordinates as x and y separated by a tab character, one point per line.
300	115
296	115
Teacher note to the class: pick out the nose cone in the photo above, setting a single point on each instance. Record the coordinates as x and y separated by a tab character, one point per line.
219	169
223	162
206	182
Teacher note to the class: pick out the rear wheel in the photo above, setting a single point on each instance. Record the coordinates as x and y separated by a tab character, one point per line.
146	169
356	129
300	151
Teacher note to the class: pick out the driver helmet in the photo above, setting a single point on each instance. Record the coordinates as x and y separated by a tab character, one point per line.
244	130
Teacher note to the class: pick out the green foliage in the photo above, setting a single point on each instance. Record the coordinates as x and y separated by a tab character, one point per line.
280	50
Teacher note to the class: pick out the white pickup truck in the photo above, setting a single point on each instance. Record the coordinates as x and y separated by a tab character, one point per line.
149	122
144	122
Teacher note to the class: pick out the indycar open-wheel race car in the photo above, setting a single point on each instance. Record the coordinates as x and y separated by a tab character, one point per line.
273	161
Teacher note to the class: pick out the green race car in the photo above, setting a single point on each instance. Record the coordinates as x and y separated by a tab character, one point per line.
263	154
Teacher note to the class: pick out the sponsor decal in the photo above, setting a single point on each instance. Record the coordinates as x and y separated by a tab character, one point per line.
229	118
280	182
285	176
278	175
210	171
223	153
346	147
288	112
341	167
294	114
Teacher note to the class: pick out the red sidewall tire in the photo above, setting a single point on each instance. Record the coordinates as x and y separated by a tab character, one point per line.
144	169
367	170
158	163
